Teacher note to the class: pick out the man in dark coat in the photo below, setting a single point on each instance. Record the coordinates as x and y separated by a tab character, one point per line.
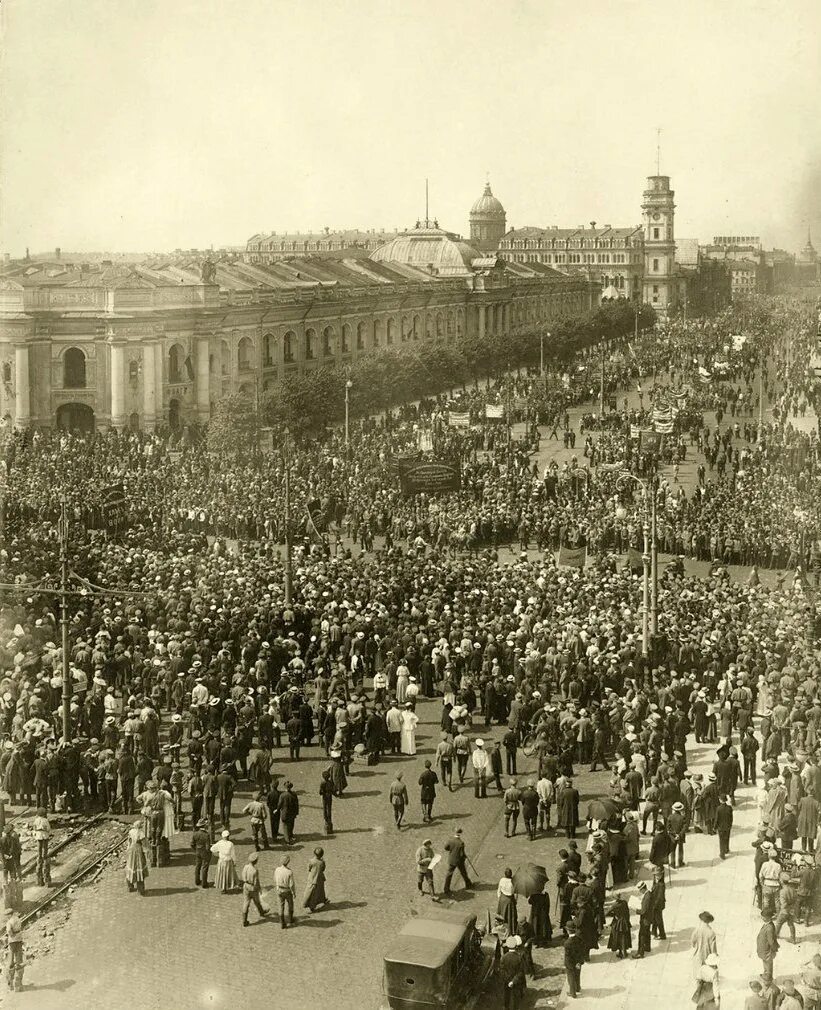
645	921
512	974
573	960
457	859
201	846
288	812
766	946
661	845
567	809
724	824
427	782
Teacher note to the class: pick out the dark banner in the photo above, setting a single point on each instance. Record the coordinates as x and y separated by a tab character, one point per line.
430	477
399	460
109	512
573	557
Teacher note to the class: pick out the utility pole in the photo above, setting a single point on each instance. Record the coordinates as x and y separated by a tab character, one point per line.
601	384
348	384
541	355
654	559
67	682
761	390
645	591
509	418
288	575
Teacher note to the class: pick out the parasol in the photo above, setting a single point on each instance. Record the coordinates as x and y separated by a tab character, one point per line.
529	878
602	809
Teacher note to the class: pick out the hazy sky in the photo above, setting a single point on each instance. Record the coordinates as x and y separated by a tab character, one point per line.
152	124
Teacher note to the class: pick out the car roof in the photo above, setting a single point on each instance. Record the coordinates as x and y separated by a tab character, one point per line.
428	942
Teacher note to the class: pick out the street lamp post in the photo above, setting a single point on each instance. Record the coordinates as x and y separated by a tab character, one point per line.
348	385
288	574
649	558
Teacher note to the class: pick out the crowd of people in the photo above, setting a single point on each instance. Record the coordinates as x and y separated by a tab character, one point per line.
191	673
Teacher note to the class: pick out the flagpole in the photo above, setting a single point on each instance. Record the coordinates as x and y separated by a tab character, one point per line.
288	575
67	683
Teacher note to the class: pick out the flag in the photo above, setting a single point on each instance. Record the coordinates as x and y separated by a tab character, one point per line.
618	465
739	340
630	349
663	427
635	431
315	522
494	411
573	557
649	441
459	419
634	559
425	441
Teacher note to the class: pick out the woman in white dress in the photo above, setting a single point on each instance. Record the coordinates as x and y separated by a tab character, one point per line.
408	732
226	879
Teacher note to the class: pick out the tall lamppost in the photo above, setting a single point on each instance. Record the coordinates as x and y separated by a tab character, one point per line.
348	385
649	617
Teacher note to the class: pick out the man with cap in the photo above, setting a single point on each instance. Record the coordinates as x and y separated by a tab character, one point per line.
769	877
512	974
457	859
529	799
645	920
574	956
424	855
251	888
481	764
724	824
286	890
677	829
256	810
511	801
749	750
428	781
766	946
201	847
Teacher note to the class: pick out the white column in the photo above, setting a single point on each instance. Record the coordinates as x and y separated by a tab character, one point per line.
22	394
117	386
481	322
159	395
203	373
149	387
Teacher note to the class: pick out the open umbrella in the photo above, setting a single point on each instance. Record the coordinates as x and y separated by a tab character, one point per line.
529	878
602	809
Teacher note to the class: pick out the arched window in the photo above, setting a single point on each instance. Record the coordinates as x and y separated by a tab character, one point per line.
361	331
440	326
245	354
225	357
74	369
407	327
450	325
377	332
175	361
310	344
133	371
417	327
391	331
289	347
460	323
346	339
268	344
328	342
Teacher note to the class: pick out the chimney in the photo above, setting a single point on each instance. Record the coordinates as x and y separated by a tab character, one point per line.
57	253
593	225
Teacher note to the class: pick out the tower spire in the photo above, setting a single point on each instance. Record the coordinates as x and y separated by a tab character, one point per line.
658	150
427	212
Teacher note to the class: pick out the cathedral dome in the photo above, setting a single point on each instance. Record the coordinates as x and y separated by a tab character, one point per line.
487	205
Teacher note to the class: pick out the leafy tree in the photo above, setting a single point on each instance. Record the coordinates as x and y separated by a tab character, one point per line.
232	428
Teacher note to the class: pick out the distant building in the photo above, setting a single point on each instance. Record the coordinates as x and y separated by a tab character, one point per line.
154	344
270	247
660	287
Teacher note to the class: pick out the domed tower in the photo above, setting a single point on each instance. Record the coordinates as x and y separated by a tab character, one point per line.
487	222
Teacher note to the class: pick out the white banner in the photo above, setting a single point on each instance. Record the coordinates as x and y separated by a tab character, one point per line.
494	410
459	419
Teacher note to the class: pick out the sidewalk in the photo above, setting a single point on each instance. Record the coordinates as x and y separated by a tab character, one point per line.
664	977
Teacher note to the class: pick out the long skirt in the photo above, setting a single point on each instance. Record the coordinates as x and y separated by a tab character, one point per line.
226	878
507	909
540	919
315	894
136	865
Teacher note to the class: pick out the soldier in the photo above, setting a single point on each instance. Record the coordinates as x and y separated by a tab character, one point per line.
42	833
201	846
14	958
251	888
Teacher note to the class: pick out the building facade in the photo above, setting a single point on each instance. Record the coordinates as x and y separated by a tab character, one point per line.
488	222
270	247
154	345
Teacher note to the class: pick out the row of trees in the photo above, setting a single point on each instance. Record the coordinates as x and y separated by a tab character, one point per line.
308	402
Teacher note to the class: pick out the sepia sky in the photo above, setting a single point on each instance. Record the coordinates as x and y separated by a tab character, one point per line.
145	125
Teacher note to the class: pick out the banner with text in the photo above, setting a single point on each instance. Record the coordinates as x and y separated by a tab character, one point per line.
431	477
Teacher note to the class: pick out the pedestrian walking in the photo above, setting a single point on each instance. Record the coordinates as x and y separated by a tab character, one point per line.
457	860
251	888
444	760
286	892
424	871
42	834
787	906
14	952
288	812
511	801
326	793
724	825
703	941
398	797
506	900
481	764
644	903
428	781
256	810
201	847
315	896
512	974
766	946
226	875
136	861
574	957
619	940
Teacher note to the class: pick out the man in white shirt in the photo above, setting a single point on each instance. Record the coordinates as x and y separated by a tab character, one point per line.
481	763
286	891
393	720
199	694
544	787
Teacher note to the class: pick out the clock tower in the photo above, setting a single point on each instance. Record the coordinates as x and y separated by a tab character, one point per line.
659	284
